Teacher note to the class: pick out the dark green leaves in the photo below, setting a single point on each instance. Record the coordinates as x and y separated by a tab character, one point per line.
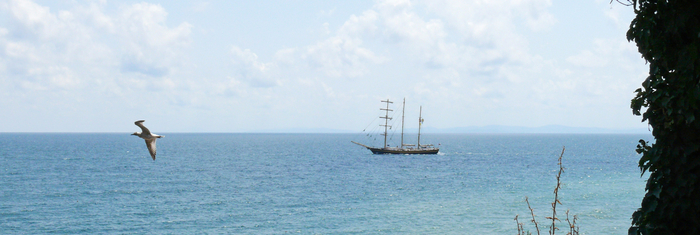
667	34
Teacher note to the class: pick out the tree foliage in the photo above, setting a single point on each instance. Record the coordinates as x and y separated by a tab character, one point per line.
667	34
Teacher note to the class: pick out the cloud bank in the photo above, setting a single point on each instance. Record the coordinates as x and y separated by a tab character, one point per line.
469	63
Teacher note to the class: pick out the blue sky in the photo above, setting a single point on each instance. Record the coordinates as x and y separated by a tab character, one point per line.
246	66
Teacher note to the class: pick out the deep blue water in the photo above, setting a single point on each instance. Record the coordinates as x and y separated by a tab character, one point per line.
311	184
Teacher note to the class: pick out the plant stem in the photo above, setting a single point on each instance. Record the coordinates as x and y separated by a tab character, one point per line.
532	212
556	195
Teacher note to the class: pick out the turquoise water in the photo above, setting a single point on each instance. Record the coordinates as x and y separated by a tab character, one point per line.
311	184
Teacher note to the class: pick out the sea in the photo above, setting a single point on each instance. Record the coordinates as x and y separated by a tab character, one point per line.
245	183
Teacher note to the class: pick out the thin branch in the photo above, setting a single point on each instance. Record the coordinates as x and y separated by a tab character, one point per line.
520	226
556	195
532	212
571	227
628	2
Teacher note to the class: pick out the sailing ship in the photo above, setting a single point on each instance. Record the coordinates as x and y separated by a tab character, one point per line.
403	148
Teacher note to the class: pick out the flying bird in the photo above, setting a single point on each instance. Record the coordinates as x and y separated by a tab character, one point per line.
149	137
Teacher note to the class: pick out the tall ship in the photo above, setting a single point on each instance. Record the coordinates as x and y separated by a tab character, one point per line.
403	148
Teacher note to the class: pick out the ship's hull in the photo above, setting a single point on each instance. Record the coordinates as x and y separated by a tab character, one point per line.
403	151
389	150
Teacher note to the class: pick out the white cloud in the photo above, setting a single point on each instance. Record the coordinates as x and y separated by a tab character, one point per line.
327	13
536	14
615	12
86	59
152	47
36	19
604	53
468	52
38	45
343	55
75	46
470	62
423	38
340	57
252	71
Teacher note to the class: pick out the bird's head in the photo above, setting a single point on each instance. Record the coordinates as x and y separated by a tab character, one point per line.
136	134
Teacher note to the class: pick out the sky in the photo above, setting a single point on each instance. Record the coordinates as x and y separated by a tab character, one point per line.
250	66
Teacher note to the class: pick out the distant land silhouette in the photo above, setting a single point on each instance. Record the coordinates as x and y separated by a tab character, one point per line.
492	129
535	130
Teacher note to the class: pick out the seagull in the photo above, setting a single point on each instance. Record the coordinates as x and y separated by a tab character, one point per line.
149	137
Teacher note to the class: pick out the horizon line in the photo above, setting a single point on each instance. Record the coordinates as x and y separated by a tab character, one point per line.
490	129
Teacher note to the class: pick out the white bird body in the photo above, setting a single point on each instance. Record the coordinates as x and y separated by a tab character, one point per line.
149	137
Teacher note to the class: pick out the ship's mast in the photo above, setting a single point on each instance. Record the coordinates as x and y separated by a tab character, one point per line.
386	118
420	121
403	111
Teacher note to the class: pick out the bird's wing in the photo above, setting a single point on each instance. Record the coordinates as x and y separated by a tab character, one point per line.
151	144
144	130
